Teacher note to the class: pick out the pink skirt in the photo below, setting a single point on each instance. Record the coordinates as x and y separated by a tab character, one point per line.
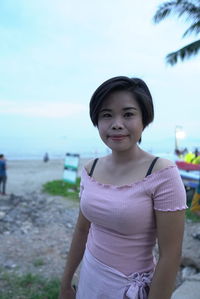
99	281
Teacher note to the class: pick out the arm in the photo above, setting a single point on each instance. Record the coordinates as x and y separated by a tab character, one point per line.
170	228
75	256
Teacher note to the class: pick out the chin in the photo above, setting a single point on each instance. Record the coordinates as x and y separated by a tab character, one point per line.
119	148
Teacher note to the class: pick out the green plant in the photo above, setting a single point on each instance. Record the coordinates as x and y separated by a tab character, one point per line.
28	286
191	216
63	188
38	262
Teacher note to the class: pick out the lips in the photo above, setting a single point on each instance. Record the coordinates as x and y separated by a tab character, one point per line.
117	137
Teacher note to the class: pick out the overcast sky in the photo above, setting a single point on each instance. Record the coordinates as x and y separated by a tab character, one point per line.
54	54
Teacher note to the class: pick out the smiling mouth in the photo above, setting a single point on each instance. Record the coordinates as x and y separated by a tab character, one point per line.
118	137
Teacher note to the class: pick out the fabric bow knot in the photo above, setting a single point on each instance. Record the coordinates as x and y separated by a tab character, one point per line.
139	282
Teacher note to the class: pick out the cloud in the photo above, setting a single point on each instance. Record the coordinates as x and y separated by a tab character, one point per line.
41	109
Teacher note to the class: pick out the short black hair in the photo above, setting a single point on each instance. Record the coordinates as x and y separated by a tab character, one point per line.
136	86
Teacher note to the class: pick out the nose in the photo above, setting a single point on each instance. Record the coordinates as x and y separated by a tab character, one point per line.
117	124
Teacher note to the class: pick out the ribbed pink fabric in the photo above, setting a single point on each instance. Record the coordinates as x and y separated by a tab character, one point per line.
123	229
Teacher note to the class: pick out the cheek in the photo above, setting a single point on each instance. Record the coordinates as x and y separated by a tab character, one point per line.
102	128
136	127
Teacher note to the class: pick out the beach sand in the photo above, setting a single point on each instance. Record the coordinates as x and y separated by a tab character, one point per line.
26	176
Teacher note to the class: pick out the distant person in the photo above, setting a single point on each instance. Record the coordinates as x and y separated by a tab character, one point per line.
46	157
192	157
129	199
3	176
181	153
196	152
196	159
178	152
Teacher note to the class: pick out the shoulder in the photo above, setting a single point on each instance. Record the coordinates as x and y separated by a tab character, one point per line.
162	163
88	165
100	161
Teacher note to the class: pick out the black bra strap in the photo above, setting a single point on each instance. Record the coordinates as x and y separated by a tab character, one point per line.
151	166
93	166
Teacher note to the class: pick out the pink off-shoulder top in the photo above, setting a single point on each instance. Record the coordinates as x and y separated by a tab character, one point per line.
123	227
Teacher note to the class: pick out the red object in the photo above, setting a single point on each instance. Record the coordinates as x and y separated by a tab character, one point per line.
187	166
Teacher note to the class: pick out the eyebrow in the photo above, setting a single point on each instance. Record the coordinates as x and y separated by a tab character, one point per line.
125	109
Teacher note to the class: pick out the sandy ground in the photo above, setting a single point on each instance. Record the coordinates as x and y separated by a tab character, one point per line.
25	176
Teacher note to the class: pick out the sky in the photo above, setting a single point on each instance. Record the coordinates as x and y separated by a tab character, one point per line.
54	54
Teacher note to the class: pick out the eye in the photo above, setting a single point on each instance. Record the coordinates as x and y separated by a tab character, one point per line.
106	115
128	114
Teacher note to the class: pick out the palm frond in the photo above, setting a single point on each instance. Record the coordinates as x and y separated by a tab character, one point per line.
163	11
183	53
178	7
194	28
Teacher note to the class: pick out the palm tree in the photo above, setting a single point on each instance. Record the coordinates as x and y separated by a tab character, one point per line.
191	11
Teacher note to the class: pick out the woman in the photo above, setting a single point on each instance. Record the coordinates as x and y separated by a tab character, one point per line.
128	199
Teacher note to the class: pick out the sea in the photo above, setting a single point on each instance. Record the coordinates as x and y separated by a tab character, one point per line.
35	149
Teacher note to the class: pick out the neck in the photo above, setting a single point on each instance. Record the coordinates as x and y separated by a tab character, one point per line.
122	157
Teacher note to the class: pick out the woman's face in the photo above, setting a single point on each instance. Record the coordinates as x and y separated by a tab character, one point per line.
120	121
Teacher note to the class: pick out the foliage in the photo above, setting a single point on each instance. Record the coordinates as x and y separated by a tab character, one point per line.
38	262
191	11
62	188
189	215
28	286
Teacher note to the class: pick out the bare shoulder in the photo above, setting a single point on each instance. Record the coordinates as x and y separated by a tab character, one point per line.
88	165
162	163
